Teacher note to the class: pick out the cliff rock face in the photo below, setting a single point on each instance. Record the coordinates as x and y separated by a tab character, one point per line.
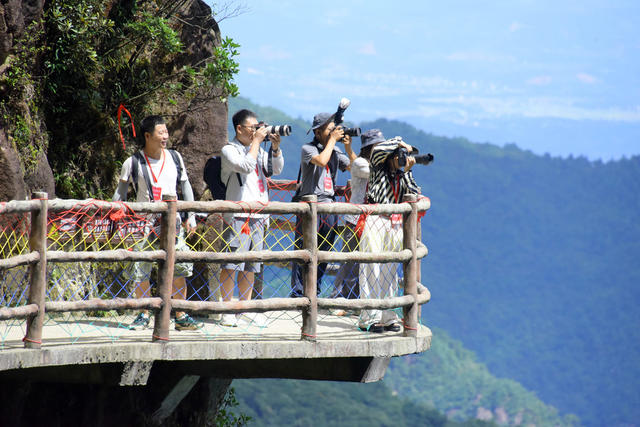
197	133
15	16
203	131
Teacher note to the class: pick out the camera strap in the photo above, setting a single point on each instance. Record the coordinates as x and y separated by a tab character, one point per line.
269	170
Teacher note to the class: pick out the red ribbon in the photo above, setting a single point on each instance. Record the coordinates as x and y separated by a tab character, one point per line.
245	228
120	108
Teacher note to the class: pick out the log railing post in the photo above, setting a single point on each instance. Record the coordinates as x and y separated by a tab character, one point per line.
38	272
310	270
165	268
410	268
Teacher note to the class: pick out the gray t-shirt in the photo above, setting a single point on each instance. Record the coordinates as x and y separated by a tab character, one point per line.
317	180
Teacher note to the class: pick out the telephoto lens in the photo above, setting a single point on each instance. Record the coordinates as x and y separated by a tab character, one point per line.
352	131
283	130
423	159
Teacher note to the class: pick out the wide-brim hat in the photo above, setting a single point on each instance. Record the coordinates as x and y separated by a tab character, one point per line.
370	137
319	120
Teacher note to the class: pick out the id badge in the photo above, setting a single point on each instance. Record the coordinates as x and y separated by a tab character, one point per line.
260	182
396	219
328	183
157	193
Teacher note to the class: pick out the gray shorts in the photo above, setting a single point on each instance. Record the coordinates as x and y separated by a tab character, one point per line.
237	241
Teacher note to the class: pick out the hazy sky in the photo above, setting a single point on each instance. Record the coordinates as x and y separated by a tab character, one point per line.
551	76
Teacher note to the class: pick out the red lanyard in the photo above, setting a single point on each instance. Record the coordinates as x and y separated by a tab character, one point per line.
396	191
155	180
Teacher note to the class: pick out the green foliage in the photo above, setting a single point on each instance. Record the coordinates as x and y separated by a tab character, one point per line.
220	72
226	416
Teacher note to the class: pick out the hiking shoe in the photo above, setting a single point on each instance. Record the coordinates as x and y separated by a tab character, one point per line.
376	328
140	322
394	327
187	323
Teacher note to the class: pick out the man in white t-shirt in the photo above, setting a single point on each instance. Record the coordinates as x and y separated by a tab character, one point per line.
153	171
244	170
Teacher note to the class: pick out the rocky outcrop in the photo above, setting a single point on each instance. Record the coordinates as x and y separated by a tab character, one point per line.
198	130
15	17
12	185
202	131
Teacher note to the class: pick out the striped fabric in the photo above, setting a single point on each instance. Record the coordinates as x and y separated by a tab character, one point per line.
382	182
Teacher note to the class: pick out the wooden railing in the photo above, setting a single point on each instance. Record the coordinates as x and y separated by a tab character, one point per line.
309	256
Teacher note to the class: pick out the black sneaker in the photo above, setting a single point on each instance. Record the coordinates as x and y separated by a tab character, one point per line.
140	322
377	328
187	323
392	328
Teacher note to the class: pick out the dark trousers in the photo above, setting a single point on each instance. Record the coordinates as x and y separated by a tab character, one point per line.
326	236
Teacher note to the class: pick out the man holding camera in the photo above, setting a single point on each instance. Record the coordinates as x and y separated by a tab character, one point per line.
245	167
319	164
390	179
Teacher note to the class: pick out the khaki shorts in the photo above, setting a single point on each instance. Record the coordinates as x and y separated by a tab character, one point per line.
139	271
236	241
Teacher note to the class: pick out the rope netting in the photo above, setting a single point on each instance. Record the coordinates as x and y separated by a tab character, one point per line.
89	227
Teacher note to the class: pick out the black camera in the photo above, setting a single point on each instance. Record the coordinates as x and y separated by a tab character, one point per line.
352	131
421	159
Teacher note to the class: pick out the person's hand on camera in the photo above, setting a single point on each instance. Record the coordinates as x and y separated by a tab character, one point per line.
337	133
275	141
346	140
260	134
410	162
407	146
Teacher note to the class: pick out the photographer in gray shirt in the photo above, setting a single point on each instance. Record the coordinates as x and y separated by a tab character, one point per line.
319	164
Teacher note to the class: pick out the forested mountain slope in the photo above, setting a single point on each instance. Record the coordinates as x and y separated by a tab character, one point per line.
533	265
447	378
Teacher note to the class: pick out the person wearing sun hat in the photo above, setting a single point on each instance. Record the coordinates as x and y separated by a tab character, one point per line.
346	284
319	163
389	181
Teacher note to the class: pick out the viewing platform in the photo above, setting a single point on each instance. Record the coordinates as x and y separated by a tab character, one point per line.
68	297
341	352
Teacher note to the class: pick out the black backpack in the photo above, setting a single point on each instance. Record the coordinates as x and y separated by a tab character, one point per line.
211	176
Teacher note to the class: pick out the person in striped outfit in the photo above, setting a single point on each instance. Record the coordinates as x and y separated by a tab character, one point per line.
389	181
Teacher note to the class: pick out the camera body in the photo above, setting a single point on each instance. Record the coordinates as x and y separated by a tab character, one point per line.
338	118
421	159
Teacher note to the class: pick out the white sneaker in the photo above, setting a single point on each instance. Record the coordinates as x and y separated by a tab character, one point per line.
229	320
258	319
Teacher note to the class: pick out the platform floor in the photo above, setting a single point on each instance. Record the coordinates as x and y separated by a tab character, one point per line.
78	338
281	325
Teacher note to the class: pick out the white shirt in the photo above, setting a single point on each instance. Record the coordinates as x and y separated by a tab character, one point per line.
359	180
236	160
166	175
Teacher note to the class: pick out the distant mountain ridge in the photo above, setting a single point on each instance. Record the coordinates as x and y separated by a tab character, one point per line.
532	265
